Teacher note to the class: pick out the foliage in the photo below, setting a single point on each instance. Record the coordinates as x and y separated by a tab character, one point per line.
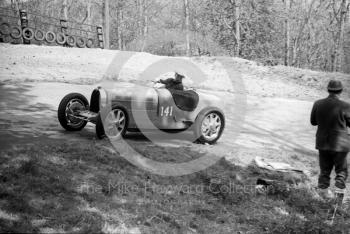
317	34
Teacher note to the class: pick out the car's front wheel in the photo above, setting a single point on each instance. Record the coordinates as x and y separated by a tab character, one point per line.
68	109
209	126
114	126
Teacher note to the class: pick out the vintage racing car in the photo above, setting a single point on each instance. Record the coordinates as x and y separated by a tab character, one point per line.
167	110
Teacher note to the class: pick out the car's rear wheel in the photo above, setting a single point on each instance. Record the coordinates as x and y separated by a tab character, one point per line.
67	110
114	126
209	127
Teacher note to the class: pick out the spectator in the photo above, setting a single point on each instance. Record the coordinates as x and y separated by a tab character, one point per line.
332	117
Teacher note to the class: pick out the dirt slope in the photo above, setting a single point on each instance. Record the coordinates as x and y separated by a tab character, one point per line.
87	66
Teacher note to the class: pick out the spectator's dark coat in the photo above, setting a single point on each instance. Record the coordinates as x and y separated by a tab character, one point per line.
332	116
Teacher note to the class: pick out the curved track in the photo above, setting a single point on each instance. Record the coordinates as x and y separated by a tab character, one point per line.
274	128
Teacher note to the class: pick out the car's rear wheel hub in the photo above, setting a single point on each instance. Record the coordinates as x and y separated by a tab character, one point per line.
211	126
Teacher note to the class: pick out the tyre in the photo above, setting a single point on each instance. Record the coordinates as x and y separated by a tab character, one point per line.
71	41
6	39
69	105
61	39
115	124
5	28
39	35
209	126
50	37
28	34
81	42
16	32
90	43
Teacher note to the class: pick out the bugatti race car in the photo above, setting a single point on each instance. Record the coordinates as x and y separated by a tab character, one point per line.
167	110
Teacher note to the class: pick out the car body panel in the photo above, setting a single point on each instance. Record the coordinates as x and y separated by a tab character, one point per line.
158	103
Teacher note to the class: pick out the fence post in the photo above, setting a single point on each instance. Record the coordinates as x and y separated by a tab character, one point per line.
64	26
100	36
24	23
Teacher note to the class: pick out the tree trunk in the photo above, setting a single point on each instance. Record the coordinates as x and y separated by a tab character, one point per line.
140	18
295	54
287	33
64	12
187	23
339	49
119	28
145	26
88	12
106	19
237	27
15	6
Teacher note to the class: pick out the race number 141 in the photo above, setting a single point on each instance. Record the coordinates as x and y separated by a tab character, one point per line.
166	111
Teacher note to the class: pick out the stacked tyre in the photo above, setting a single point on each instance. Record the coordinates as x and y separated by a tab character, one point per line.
9	33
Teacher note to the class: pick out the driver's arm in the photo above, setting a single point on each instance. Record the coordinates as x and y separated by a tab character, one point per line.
167	81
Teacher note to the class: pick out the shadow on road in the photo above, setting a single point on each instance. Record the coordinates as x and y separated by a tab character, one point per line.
26	120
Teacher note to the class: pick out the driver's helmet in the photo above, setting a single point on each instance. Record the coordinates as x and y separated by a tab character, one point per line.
179	76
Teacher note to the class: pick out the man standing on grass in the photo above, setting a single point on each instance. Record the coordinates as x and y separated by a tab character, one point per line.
332	116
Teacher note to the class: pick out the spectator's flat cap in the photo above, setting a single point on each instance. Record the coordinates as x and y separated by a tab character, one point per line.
335	85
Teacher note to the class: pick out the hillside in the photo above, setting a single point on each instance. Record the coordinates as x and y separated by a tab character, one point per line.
88	66
54	181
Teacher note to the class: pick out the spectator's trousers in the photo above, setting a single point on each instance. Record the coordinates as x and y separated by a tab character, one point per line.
328	161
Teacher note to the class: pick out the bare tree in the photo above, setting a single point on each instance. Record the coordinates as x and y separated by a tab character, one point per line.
236	29
88	17
15	6
106	19
340	16
187	25
145	24
140	7
296	40
119	26
287	33
238	26
64	10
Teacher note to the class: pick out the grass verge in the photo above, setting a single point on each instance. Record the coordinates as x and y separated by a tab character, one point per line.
83	189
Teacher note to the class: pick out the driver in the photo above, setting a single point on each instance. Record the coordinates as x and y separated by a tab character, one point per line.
172	83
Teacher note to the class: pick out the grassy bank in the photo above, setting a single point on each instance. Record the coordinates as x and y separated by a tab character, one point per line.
83	189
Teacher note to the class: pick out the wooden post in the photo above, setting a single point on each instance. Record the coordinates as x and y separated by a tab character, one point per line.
64	26
100	37
24	23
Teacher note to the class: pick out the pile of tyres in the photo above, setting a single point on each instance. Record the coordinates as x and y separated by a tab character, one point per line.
50	37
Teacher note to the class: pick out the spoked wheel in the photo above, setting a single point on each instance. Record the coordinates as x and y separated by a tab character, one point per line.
114	126
209	127
68	109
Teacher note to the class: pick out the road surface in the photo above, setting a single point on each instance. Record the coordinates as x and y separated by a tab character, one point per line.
273	128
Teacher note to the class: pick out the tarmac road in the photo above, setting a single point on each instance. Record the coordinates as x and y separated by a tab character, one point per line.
274	128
